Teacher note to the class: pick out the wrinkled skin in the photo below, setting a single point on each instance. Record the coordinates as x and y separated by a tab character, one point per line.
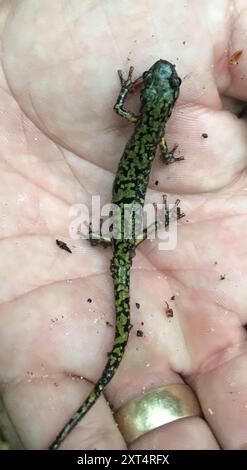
60	143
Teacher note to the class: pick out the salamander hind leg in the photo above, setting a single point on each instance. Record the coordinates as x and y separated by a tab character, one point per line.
98	239
163	221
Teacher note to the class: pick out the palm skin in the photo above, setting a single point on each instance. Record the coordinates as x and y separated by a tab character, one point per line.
61	144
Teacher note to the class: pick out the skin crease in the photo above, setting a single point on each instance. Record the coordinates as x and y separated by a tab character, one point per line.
60	143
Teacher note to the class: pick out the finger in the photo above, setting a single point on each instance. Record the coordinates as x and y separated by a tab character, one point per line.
39	408
41	364
233	80
222	390
183	434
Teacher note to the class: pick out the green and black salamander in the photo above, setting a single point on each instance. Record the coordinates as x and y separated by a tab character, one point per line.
159	92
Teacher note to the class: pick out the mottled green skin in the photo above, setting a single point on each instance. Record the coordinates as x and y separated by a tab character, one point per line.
160	89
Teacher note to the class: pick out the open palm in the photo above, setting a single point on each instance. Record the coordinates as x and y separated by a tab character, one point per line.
60	144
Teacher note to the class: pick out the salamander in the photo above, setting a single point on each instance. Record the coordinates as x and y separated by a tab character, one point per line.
159	91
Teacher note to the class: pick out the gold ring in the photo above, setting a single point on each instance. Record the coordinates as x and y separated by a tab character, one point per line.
156	408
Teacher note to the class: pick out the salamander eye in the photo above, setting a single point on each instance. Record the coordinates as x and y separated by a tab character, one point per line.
175	81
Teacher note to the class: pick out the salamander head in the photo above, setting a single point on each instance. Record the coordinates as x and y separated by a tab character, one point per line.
160	84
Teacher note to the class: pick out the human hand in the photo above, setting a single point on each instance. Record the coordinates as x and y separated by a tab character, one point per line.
61	144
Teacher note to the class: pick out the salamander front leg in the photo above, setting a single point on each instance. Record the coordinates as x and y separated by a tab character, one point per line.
166	155
127	86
